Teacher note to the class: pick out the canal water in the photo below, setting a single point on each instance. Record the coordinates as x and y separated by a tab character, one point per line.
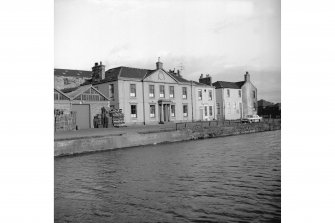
231	179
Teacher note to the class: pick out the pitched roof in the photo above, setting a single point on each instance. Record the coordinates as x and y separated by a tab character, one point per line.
80	90
136	73
126	72
72	73
226	84
62	93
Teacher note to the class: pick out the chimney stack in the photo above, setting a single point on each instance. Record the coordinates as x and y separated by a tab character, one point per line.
205	80
247	77
98	72
159	65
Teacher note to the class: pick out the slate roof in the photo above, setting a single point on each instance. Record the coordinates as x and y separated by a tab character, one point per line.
226	84
125	72
200	84
131	72
72	73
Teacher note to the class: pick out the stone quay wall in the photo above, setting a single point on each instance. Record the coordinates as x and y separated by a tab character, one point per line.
132	139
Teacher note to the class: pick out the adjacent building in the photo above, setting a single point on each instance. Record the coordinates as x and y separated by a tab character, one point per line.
235	100
85	100
65	78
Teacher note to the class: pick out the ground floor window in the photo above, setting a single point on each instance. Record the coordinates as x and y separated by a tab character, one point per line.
152	111
228	107
173	111
185	110
133	109
218	108
206	113
210	110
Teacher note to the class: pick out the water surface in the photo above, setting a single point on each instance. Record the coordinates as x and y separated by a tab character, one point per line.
231	179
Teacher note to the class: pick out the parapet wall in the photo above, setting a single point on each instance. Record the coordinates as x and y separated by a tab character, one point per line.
131	139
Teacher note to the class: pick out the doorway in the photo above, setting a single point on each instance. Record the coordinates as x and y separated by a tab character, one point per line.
82	116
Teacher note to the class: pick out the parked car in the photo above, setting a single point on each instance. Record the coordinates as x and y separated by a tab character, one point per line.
251	118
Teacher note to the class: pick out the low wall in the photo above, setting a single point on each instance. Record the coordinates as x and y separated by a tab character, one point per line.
131	139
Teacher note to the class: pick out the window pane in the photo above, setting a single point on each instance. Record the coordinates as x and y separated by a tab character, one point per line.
133	111
132	90
161	91
151	91
173	108
152	111
185	110
171	91
200	94
111	90
184	92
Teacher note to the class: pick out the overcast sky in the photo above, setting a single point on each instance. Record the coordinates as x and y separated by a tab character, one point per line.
223	38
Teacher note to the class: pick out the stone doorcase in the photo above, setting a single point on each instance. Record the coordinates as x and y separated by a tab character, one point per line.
164	107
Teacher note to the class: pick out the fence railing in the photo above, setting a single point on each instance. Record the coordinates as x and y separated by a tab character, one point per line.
204	124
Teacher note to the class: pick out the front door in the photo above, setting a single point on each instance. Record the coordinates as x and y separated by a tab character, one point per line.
166	110
201	114
206	113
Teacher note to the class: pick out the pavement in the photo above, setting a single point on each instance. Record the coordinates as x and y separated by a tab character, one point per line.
97	132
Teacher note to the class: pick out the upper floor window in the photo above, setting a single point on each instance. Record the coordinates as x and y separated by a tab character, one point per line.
162	91
254	94
151	91
171	91
210	95
111	90
184	92
239	93
200	94
66	81
132	90
228	93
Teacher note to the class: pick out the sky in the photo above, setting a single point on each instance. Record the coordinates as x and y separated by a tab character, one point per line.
223	38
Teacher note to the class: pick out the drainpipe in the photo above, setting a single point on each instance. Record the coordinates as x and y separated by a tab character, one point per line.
143	103
192	100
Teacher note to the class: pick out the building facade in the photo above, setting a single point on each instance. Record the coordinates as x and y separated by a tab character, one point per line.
153	96
205	99
236	100
65	78
85	100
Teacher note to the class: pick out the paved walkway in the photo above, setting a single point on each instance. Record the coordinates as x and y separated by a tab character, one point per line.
94	132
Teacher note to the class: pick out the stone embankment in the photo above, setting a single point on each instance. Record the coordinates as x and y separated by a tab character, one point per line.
73	146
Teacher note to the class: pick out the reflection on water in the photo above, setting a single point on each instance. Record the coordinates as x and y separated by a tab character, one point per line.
232	179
